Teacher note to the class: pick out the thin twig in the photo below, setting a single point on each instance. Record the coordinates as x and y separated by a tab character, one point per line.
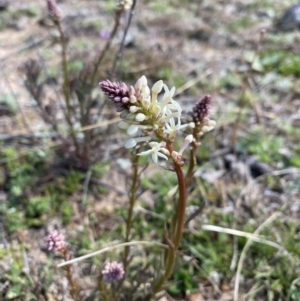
46	69
109	248
251	236
66	84
99	124
106	47
266	223
121	49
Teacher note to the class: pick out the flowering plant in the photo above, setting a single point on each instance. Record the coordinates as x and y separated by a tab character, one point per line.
155	121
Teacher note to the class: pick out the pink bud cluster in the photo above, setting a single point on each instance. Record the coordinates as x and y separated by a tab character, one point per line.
118	92
55	241
112	272
201	109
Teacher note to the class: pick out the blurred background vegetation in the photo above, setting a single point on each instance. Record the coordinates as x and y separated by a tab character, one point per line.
243	53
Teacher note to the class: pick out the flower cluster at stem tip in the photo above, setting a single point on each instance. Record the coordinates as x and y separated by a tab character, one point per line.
55	241
112	272
153	120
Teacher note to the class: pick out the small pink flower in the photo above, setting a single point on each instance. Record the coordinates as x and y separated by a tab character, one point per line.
55	241
113	271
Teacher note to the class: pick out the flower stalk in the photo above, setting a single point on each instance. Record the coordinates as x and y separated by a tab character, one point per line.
132	200
66	83
55	241
178	229
156	122
73	285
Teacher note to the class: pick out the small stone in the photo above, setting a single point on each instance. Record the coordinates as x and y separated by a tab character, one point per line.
290	19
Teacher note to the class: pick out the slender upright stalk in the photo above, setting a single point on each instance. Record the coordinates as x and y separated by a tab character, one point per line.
120	52
66	85
74	288
92	81
102	289
192	161
132	199
106	47
178	229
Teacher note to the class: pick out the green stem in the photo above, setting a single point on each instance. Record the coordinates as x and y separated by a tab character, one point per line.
66	84
178	231
192	164
106	47
192	161
73	286
132	199
102	289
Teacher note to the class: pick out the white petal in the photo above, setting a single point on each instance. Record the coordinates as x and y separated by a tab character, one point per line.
172	92
155	157
144	80
132	130
145	153
162	156
166	88
146	91
157	87
130	143
138	84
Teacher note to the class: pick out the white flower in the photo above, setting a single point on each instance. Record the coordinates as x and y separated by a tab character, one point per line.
171	128
168	103
157	150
